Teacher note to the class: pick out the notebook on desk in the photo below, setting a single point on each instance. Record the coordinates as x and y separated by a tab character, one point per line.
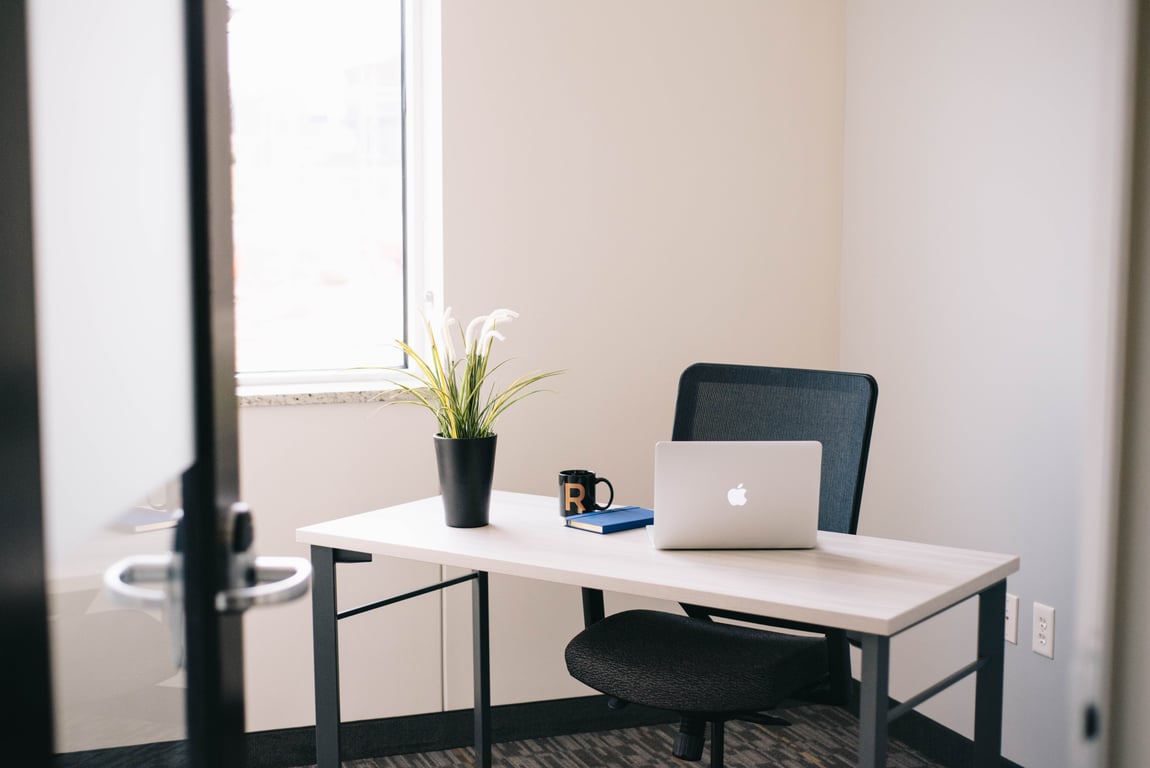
736	494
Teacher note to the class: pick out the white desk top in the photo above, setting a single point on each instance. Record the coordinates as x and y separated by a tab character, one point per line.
859	583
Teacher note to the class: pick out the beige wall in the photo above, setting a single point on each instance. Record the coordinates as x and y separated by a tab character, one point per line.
308	463
649	184
982	261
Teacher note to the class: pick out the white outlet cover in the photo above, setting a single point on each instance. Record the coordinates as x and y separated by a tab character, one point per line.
1042	634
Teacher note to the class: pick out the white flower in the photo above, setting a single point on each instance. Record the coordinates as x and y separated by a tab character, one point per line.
503	315
481	331
443	338
489	334
473	333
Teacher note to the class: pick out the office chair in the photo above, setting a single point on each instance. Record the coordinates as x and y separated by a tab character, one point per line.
710	671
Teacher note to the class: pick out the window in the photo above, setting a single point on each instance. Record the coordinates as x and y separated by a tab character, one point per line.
321	282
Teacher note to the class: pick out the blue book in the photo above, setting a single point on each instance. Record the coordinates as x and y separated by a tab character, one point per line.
611	520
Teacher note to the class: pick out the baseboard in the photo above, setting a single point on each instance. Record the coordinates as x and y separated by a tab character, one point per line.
167	754
447	730
290	747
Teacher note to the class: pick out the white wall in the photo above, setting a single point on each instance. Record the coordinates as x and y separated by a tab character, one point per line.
981	258
305	464
649	184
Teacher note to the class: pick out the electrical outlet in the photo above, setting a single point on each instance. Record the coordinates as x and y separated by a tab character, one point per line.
1042	640
1012	618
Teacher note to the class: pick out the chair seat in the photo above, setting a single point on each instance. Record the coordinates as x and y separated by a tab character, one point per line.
674	662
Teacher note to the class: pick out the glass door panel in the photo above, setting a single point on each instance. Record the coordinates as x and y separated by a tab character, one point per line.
117	673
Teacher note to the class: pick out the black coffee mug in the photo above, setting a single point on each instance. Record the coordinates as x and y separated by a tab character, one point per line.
577	492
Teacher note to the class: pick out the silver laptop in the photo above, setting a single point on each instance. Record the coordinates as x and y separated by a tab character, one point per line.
736	494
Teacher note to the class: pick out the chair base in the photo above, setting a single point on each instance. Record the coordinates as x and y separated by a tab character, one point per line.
690	739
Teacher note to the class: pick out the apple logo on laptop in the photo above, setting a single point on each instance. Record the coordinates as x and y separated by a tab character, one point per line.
737	496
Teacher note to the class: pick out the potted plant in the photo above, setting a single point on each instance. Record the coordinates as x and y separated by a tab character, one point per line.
466	404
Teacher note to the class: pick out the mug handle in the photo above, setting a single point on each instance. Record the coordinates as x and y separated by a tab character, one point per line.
610	487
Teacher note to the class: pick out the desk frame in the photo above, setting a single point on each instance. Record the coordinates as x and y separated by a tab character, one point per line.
325	633
875	712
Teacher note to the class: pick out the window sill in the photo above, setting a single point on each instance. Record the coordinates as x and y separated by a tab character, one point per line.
317	393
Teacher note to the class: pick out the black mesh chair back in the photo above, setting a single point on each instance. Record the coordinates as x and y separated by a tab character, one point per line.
743	402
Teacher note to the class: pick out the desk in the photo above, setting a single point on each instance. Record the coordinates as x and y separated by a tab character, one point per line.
874	587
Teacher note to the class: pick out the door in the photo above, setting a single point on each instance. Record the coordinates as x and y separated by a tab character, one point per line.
117	390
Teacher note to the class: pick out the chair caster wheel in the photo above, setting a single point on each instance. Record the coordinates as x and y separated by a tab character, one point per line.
689	741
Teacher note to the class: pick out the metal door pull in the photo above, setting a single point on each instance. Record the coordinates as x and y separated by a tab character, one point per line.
277	580
121	577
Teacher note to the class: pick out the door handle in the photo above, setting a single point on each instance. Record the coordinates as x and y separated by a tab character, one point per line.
121	578
252	581
120	583
277	580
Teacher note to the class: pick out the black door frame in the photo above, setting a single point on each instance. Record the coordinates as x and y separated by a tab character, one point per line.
26	718
215	703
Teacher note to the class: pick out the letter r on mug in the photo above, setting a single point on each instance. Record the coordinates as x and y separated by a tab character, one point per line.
573	493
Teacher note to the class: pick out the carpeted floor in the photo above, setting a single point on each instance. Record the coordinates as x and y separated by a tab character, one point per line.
820	737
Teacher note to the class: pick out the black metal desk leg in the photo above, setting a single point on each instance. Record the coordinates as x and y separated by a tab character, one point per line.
325	650
874	703
593	609
481	648
988	679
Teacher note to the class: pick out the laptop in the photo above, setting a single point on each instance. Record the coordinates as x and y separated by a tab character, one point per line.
736	494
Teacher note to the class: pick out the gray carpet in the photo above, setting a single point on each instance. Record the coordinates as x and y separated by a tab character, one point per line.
820	737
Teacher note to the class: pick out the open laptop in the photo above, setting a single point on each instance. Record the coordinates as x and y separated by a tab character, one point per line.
736	494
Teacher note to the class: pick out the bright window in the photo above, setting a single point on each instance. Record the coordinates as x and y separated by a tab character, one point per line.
317	94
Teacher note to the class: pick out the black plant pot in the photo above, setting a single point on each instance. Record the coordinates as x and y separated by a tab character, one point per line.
466	466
